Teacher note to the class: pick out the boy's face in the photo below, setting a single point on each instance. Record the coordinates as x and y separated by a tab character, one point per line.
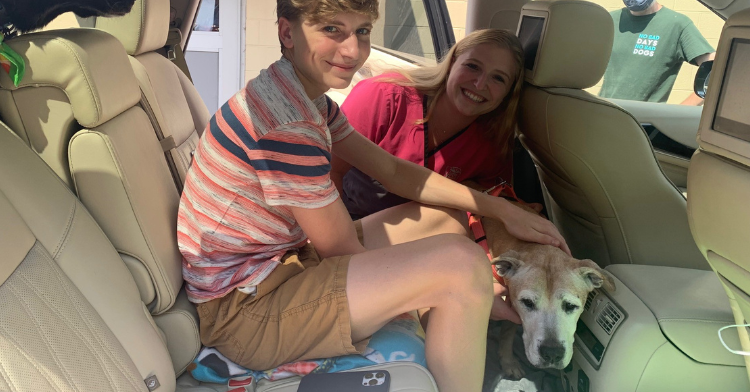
327	54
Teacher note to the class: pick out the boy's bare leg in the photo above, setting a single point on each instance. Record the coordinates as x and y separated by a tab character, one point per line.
411	221
447	273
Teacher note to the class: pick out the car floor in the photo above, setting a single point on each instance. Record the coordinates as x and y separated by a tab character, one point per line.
535	380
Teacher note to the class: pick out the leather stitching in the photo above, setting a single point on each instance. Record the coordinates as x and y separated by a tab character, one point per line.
66	233
90	328
116	162
187	315
53	354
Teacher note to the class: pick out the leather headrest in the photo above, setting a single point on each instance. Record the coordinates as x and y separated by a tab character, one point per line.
90	66
575	44
728	80
144	29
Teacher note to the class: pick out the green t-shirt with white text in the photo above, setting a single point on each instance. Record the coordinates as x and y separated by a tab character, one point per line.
648	52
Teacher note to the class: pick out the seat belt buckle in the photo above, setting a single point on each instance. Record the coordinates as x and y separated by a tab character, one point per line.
242	384
171	55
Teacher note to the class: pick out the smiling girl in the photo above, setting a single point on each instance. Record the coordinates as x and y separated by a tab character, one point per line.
276	267
456	118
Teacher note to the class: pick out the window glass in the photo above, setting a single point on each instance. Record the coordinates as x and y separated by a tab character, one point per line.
403	26
654	56
208	16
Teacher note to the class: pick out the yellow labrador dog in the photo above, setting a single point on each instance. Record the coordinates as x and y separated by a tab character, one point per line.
548	289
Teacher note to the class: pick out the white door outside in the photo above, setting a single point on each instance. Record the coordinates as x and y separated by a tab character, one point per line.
214	52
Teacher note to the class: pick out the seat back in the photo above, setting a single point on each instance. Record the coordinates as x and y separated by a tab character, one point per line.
603	185
78	107
72	318
179	114
719	173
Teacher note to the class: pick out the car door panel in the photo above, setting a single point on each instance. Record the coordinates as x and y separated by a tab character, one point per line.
672	130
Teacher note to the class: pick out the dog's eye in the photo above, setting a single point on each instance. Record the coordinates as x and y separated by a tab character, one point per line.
529	304
569	307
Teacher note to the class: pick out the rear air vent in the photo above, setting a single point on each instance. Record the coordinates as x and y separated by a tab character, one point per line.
589	299
608	318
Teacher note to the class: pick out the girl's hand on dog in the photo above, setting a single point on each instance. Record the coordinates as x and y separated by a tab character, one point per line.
531	227
501	307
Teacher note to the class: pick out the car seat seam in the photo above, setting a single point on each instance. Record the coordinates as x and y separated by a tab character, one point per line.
604	102
118	166
138	43
609	199
196	331
651	357
23	354
7	382
89	85
27	139
38	331
60	275
133	255
66	233
697	320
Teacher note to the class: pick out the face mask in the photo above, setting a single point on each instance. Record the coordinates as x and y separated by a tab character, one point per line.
637	5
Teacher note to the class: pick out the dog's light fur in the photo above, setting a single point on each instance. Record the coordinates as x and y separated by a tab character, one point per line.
554	284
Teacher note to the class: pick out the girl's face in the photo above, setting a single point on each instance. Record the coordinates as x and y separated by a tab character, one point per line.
480	79
327	54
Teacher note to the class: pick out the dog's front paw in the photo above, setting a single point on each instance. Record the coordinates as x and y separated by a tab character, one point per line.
511	367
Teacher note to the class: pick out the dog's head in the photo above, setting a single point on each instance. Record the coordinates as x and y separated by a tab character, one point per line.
22	16
548	289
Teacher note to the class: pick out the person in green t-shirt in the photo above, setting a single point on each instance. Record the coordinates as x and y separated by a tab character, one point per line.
651	42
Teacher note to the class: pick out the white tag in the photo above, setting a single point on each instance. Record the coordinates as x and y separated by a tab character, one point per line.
744	353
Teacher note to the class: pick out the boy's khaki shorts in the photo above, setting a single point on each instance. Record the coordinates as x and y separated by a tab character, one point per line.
299	312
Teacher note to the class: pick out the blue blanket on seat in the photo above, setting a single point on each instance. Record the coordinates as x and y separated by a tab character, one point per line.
402	339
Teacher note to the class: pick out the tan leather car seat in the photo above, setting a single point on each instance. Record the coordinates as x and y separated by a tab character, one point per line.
603	185
78	108
179	114
72	318
719	173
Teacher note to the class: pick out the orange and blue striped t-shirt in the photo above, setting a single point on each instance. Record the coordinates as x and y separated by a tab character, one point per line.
265	150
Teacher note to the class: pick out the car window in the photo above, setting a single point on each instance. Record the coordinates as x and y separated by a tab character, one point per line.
403	26
208	16
666	43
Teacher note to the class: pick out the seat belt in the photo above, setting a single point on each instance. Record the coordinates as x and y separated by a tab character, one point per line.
174	51
167	143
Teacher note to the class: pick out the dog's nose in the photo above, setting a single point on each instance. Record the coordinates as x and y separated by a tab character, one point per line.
551	352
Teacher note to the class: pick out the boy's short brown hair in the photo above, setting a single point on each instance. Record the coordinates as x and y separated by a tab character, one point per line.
322	10
317	11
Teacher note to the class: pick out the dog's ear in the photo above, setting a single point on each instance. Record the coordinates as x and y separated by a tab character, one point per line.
595	276
507	263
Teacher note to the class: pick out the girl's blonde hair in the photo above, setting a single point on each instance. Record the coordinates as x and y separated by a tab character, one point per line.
431	81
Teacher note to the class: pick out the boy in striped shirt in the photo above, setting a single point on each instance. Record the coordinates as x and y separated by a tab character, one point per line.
276	267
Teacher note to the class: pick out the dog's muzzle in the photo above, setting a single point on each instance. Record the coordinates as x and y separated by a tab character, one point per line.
551	353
